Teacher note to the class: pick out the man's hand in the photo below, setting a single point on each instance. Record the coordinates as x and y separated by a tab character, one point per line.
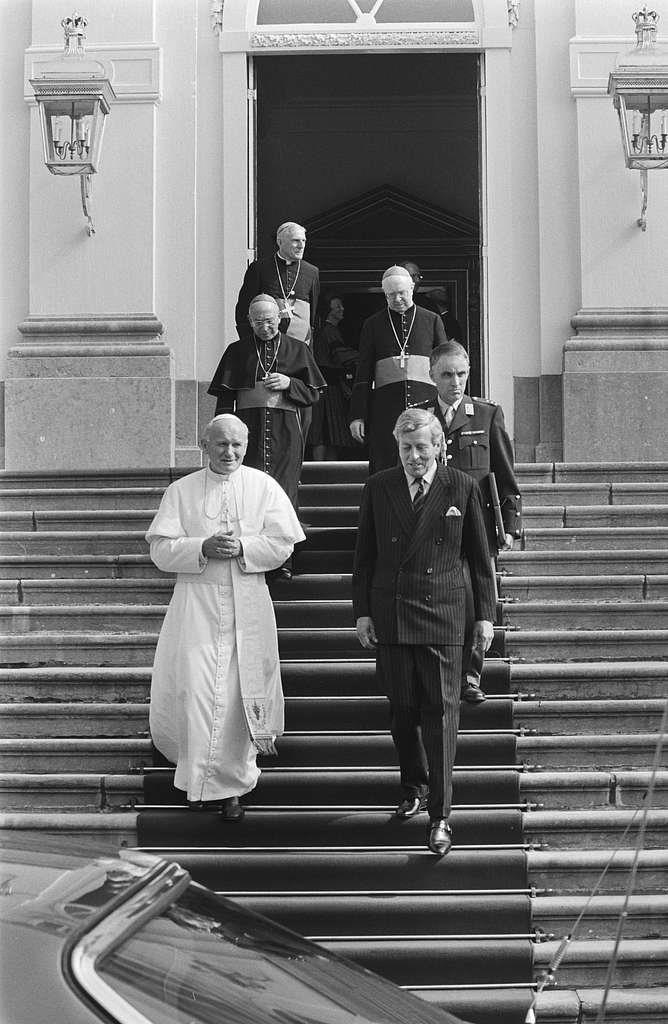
508	546
221	545
366	632
358	431
277	382
483	634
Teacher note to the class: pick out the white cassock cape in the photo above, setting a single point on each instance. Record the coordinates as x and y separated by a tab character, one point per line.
216	695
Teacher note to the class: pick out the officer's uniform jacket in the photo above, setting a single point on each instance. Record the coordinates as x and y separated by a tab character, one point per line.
477	443
408	572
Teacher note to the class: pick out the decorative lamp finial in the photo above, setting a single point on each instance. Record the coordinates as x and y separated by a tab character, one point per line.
74	28
646	22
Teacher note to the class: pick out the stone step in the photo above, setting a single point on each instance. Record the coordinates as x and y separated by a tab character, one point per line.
44	499
638	962
84	566
87	833
585	615
550	789
596	828
564	872
328	714
576	752
595	538
601	588
303	714
602	680
584	563
69	520
622	1006
539	754
83	591
135	618
646	917
612	472
626	516
568	717
279	786
69	791
73	542
586	644
546	682
546	791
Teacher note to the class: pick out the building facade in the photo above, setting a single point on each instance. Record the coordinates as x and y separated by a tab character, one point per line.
476	137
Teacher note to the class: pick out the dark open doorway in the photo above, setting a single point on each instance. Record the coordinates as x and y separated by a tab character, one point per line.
378	156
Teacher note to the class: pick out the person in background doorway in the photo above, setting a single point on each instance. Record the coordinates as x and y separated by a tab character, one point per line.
337	363
436	299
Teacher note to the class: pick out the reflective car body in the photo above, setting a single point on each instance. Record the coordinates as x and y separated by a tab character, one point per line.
132	939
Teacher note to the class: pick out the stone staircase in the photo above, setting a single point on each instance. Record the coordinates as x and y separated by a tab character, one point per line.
552	773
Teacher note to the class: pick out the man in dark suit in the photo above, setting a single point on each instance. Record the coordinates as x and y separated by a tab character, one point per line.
418	522
476	441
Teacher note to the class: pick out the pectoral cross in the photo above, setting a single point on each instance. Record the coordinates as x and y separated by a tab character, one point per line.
402	359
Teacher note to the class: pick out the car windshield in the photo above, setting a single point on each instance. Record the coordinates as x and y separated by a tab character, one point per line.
203	960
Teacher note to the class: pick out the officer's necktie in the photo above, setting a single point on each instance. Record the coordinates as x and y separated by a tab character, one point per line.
419	497
449	415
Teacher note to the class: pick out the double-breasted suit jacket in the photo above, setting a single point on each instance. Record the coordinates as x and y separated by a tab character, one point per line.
408	573
477	443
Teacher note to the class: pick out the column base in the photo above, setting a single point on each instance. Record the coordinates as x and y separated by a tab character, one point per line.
93	392
616	386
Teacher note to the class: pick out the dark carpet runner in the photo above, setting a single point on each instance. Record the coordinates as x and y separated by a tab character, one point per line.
320	849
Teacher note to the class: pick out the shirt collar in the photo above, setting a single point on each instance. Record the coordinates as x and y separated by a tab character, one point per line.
427	479
287	262
454	407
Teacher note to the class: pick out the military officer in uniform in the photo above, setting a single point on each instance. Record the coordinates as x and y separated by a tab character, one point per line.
476	442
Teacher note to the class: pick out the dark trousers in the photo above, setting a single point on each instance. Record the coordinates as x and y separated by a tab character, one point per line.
422	684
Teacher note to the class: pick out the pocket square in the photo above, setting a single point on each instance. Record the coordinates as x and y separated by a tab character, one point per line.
453	511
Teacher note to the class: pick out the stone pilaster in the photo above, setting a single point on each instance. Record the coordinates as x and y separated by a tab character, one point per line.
90	392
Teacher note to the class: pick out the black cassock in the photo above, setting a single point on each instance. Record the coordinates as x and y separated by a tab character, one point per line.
393	375
273	418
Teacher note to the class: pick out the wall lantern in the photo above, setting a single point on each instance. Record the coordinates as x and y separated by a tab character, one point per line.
639	90
73	95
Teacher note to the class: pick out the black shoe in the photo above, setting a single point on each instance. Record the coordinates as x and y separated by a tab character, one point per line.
440	837
205	805
472	693
282	573
231	809
412	805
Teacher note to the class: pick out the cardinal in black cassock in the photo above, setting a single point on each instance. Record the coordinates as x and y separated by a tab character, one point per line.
268	380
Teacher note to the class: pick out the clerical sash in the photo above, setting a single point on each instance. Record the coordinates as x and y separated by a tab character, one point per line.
299	312
261	397
390	370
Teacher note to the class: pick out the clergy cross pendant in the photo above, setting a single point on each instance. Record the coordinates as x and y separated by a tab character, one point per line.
402	359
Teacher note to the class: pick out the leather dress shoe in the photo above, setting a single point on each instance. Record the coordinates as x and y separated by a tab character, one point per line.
231	809
284	572
472	693
411	805
440	837
205	805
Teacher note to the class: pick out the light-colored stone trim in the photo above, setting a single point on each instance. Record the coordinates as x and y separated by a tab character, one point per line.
351	40
134	70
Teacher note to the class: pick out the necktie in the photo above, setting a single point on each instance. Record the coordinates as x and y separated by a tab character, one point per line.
419	497
449	413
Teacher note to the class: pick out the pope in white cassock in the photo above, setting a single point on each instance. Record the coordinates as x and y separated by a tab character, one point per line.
216	695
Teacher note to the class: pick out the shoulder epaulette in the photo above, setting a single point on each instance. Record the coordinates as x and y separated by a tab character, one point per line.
485	401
